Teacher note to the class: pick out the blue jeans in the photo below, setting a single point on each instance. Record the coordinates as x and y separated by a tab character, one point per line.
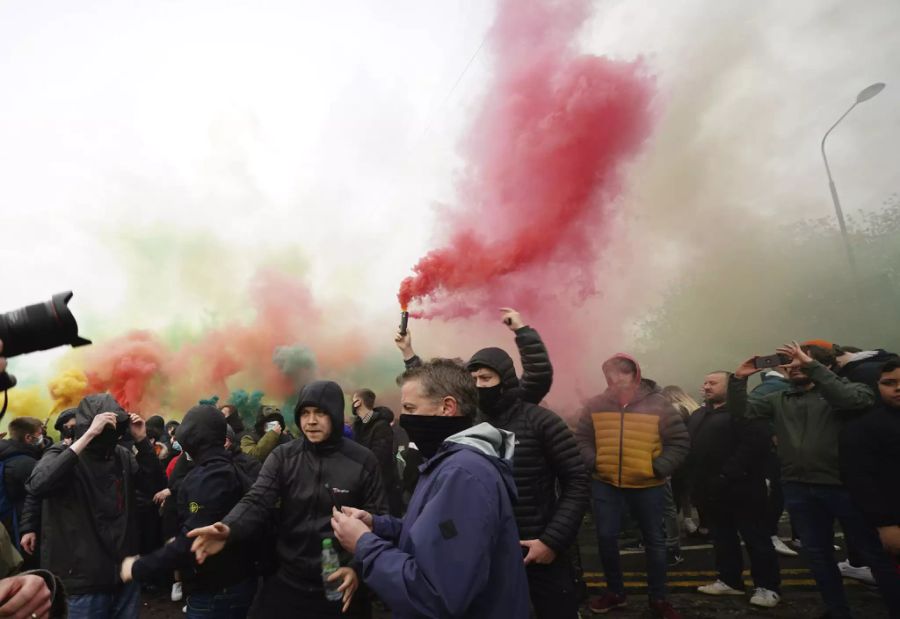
123	604
813	509
227	603
646	505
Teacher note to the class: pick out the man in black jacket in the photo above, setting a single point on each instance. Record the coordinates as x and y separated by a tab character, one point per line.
726	469
225	585
372	429
537	371
18	455
308	478
89	516
552	483
870	460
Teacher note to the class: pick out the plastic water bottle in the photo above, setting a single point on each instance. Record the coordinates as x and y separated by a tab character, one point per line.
330	565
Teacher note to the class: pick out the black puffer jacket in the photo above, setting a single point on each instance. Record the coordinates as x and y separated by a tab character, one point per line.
726	464
537	371
88	514
545	454
207	494
307	479
378	436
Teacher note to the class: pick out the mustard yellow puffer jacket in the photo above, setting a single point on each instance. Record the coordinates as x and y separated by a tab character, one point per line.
635	446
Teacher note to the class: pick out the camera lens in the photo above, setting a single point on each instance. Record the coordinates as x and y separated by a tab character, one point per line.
40	327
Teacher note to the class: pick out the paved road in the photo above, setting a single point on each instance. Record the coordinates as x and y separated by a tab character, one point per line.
800	599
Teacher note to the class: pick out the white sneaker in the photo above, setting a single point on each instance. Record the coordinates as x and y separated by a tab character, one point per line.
690	526
719	588
176	592
765	598
862	574
782	548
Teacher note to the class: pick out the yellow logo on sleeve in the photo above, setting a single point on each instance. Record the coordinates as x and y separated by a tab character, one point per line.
194	507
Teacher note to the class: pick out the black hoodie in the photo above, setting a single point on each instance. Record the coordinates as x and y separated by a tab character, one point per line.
88	513
307	479
19	461
545	455
205	496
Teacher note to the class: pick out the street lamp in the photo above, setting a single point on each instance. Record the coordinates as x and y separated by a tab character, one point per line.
864	95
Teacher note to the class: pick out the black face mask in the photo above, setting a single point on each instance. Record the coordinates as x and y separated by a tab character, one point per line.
105	441
490	399
429	431
67	432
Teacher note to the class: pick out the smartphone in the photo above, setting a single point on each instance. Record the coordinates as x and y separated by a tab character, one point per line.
771	361
272	425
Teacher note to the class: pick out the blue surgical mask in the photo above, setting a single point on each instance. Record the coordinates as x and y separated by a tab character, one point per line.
176	446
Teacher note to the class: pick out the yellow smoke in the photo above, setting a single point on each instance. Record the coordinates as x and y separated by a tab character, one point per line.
67	389
27	402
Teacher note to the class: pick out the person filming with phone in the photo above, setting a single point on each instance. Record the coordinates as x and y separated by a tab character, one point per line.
808	417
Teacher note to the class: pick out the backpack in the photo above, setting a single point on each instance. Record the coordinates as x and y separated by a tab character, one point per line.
8	511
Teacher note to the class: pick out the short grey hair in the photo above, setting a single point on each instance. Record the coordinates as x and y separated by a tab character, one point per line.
441	378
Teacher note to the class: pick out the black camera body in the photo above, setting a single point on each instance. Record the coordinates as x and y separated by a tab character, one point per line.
41	326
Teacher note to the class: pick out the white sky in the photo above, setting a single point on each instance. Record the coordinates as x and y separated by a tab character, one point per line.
332	127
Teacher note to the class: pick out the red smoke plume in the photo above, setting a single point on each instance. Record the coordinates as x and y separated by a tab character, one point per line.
544	156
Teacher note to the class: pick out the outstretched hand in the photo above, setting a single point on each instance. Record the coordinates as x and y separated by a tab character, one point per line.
209	540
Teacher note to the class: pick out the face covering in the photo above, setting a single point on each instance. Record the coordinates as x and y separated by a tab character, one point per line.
67	432
176	445
105	441
489	399
429	431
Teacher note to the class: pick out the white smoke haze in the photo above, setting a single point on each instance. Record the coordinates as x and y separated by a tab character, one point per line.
320	137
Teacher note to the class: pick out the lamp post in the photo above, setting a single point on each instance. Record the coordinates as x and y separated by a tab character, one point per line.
864	95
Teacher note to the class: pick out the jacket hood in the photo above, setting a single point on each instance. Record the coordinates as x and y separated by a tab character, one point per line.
641	384
92	405
328	396
493	443
498	360
156	427
383	412
202	431
235	422
64	417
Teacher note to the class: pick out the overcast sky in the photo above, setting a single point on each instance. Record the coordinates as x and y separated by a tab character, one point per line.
331	129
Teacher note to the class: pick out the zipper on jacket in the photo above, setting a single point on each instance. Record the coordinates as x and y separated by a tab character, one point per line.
621	441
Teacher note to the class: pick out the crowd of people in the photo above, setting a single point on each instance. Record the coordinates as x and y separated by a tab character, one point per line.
469	502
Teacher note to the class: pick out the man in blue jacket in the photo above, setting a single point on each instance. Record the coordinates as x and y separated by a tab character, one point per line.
456	553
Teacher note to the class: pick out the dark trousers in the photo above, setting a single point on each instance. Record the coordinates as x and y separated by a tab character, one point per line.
552	589
646	504
729	520
813	509
227	603
775	501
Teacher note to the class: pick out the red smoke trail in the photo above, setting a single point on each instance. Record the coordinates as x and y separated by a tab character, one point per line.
544	156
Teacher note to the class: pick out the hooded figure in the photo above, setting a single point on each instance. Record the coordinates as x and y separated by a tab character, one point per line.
262	441
207	493
537	371
546	458
307	477
88	512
